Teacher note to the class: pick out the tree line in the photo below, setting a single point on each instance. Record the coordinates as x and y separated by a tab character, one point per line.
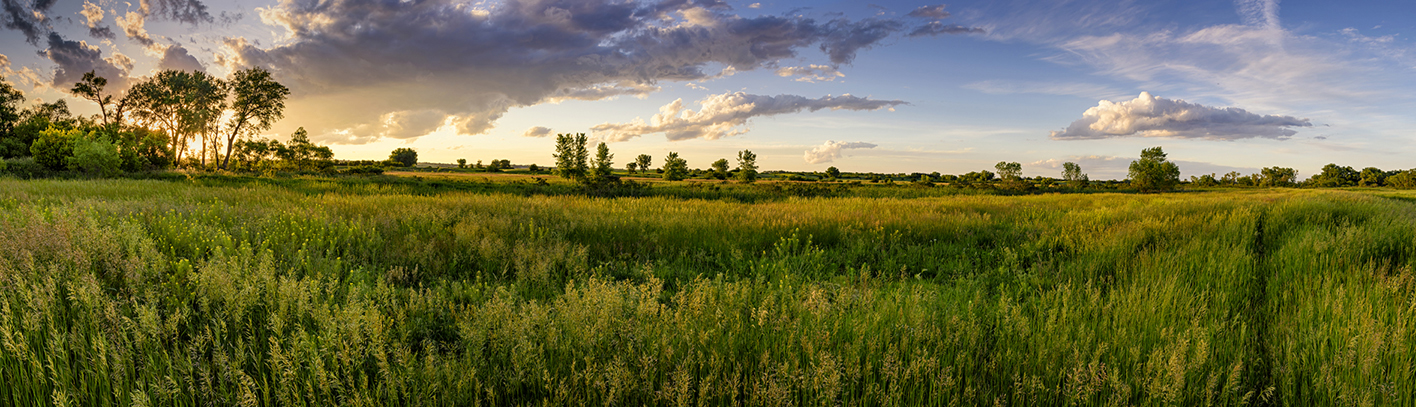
573	162
173	119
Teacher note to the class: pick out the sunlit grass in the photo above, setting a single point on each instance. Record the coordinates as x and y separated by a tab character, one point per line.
123	292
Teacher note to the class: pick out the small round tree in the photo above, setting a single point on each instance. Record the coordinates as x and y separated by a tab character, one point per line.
404	156
1153	173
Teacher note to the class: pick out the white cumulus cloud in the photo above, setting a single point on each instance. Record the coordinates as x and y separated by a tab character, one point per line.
830	151
1151	116
725	115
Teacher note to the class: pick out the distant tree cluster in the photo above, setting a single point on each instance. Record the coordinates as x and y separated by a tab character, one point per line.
171	119
573	162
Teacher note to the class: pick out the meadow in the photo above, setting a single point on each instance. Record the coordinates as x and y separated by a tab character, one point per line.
232	291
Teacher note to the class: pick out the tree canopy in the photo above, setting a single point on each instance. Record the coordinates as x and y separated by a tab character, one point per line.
1153	172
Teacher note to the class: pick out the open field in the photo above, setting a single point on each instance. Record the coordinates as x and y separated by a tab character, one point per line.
156	293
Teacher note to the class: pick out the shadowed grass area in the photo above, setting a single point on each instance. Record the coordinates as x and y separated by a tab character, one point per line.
224	290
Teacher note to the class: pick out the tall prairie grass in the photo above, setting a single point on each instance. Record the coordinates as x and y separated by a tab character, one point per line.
154	293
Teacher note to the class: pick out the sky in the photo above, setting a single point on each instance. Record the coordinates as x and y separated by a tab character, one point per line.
884	86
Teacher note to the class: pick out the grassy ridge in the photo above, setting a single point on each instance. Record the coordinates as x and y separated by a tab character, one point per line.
131	292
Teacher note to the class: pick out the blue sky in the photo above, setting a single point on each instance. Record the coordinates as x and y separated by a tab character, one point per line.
1228	85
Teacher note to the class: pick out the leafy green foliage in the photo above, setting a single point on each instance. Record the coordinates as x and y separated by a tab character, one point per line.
1153	172
675	168
1334	176
720	169
462	163
1403	179
833	173
572	158
747	166
405	157
95	155
54	147
1072	174
604	164
1278	177
644	161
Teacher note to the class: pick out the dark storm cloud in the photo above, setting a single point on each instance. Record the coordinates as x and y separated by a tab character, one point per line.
176	58
369	59
74	58
29	19
192	12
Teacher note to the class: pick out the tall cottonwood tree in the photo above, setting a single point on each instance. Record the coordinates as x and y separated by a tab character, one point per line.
257	103
183	104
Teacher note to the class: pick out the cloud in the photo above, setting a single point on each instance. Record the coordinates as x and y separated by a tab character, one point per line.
813	73
932	12
184	11
1259	13
830	151
935	28
74	58
176	58
1150	116
364	59
754	5
537	131
723	115
132	25
29	18
93	15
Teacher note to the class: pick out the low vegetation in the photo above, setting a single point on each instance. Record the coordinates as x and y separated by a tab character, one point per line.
256	291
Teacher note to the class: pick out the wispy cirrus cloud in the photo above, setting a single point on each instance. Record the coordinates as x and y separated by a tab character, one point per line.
728	114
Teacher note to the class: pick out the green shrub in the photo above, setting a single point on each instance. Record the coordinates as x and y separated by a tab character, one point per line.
1403	180
54	147
95	154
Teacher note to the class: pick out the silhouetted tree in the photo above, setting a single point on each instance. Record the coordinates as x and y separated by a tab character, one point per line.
257	103
10	143
833	173
644	161
406	157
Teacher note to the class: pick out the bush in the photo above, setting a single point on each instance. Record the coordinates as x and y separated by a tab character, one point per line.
96	155
1403	180
24	167
54	147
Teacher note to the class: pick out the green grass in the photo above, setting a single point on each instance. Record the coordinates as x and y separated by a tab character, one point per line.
227	290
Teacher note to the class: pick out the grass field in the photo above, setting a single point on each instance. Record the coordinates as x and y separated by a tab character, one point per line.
304	292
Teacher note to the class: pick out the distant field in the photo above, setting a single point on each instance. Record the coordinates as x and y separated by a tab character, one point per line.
307	292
